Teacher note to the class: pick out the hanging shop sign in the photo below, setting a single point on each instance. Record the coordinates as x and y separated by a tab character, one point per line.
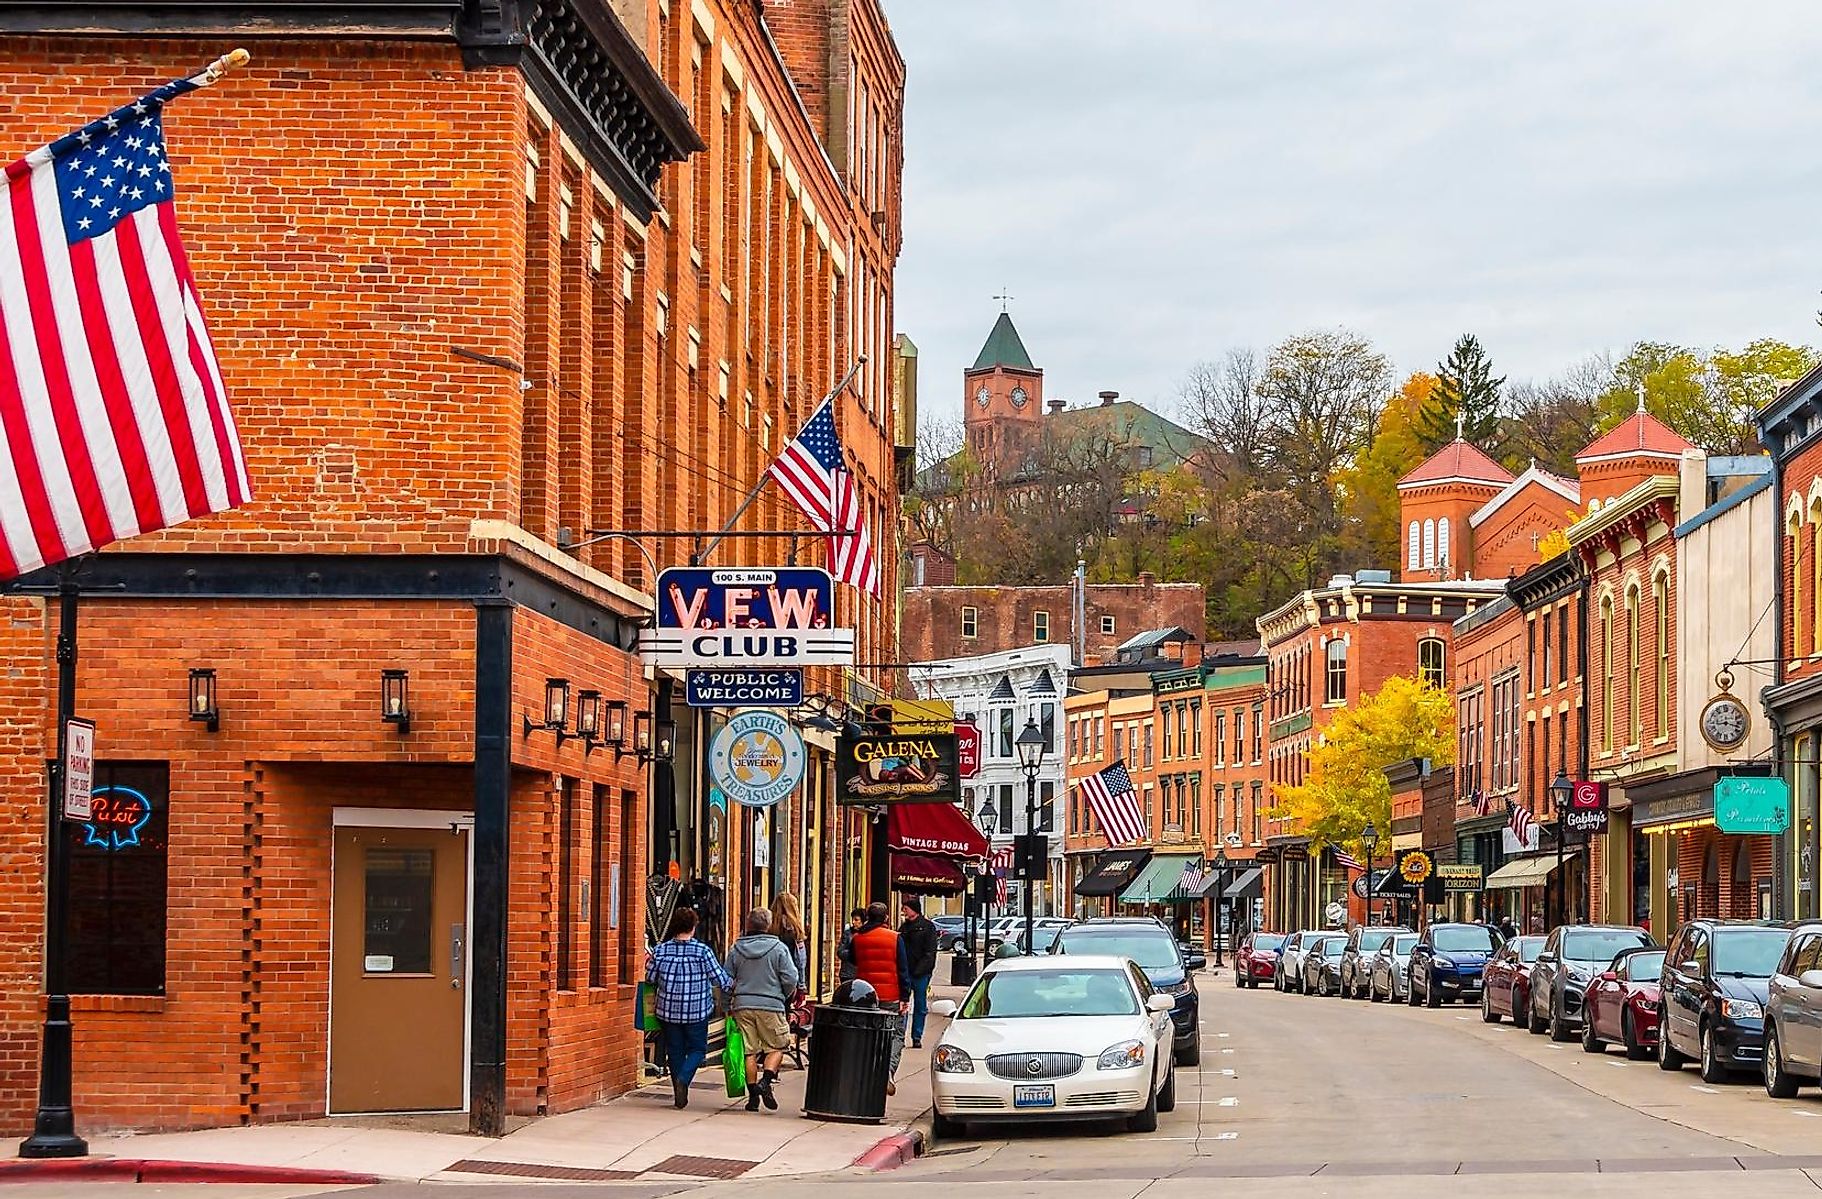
1587	812
778	688
967	748
1751	805
897	768
772	616
78	769
756	759
1458	876
119	815
1415	866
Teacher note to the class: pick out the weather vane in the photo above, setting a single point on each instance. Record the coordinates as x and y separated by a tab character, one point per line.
1004	297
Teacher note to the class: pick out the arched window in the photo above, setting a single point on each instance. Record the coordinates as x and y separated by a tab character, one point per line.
1442	542
1660	683
1607	673
1815	586
1429	544
1337	688
1411	558
1432	664
1635	708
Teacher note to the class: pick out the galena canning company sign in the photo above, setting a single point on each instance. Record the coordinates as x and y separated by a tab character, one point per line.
897	768
770	616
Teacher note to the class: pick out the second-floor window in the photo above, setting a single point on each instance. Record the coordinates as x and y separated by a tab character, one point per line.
1047	725
1195	728
1258	733
1336	690
971	618
1432	662
1002	733
1220	738
1107	626
1660	601
1040	626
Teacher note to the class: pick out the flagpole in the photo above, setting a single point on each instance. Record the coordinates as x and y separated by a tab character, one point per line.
701	555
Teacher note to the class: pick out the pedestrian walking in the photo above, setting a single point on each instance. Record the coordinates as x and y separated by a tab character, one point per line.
765	977
1507	929
845	951
879	960
686	974
787	926
918	936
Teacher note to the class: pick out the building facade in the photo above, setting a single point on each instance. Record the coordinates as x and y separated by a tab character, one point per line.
951	622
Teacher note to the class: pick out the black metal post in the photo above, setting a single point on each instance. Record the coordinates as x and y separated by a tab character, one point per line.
1562	881
492	824
54	1126
1220	900
1031	824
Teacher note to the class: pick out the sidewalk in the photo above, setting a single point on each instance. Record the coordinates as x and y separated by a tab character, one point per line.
637	1136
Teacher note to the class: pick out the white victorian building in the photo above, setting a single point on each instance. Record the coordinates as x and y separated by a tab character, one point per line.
1000	693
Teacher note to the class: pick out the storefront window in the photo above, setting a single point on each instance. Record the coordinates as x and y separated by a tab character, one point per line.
118	863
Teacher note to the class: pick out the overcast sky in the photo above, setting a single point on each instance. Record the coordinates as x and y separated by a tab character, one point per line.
1158	181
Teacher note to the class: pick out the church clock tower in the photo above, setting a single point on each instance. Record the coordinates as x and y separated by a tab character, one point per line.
1004	399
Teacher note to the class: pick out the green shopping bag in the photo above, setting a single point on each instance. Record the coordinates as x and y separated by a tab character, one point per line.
734	1061
645	1007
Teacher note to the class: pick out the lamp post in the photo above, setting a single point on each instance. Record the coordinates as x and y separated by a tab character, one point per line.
1221	923
1030	746
988	815
1562	791
1369	838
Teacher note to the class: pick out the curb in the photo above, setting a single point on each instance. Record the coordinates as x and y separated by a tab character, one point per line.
893	1152
131	1169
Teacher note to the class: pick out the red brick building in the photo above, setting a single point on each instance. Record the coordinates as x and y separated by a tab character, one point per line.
952	622
568	274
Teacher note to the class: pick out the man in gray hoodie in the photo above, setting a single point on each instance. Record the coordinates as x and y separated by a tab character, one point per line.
765	977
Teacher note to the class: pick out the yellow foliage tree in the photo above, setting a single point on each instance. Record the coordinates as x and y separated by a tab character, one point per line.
1346	785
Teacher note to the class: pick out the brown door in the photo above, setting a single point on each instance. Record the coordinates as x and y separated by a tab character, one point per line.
398	948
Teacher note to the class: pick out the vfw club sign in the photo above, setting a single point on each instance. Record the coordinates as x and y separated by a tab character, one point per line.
773	616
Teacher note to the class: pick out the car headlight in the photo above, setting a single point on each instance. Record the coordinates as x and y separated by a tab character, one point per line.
1125	1056
1741	1009
1181	988
949	1060
1441	963
1578	975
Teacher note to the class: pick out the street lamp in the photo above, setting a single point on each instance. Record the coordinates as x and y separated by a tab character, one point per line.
1369	837
1220	899
1030	747
1562	791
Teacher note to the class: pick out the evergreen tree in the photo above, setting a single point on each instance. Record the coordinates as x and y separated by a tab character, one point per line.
1465	388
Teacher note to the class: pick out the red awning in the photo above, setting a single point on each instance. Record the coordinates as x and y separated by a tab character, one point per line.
926	874
938	829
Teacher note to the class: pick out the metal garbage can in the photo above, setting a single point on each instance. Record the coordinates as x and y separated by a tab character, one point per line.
850	1063
962	969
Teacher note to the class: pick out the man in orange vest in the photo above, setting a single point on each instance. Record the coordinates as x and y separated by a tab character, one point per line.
879	960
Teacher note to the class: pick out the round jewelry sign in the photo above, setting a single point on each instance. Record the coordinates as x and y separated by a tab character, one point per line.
757	758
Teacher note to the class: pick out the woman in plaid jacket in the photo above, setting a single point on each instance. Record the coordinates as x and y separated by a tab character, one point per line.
686	973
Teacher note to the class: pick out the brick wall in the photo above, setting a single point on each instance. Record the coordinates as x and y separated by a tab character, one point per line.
932	623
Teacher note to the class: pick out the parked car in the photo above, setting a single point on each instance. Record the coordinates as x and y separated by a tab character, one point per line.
1257	959
1157	953
1572	956
1390	970
1322	964
989	934
1362	944
1193	955
1447	961
1290	957
1044	930
1622	1004
1711	1006
1007	1055
948	930
1793	1015
1506	982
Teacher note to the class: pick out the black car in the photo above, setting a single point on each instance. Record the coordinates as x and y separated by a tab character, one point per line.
1152	947
1322	964
1711	998
1572	955
1357	959
1447	961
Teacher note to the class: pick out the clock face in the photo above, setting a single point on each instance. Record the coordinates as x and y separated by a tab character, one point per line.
981	397
1724	722
1019	397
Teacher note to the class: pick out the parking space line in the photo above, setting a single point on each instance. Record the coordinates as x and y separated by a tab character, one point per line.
1797	1111
1704	1090
1227	1136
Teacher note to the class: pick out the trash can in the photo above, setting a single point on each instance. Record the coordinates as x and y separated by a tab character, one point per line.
850	1063
962	969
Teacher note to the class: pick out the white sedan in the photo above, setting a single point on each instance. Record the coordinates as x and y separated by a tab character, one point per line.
1055	1038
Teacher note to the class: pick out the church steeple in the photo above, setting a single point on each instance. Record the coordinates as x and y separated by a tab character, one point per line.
1004	397
1003	348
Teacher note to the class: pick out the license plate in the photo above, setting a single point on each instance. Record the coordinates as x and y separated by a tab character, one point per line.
1034	1096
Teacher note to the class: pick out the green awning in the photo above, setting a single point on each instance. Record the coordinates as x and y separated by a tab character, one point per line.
1160	881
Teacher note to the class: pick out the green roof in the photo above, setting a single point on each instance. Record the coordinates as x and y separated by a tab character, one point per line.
1003	348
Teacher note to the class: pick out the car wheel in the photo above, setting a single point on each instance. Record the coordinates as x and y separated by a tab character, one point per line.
1559	1026
1590	1042
1373	989
1629	1037
946	1128
1431	997
1191	1055
1146	1119
1487	1013
1322	983
1410	990
1669	1057
1521	1000
1779	1083
1711	1068
1167	1098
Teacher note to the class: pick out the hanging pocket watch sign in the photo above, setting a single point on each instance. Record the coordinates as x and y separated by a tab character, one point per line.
757	758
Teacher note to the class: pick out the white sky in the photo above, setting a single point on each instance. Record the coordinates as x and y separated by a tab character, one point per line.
1159	180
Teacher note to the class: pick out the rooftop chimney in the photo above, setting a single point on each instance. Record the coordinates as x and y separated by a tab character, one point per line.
1147	579
1108	397
1056	405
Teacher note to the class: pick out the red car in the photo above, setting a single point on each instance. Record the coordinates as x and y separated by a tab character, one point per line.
1622	1004
1256	960
1508	979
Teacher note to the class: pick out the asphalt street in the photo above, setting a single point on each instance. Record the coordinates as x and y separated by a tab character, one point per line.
1317	1096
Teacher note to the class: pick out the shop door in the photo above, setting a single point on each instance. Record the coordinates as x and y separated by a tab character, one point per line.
398	960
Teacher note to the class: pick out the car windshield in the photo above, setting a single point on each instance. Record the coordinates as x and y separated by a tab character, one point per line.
1600	944
1004	994
1371	939
1528	948
1153	948
1463	938
1644	967
1267	941
1402	943
1045	936
1749	952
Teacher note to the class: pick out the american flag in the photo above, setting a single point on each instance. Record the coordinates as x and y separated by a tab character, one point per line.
1483	803
813	472
1521	823
1193	876
1002	866
1115	805
113	417
1344	858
